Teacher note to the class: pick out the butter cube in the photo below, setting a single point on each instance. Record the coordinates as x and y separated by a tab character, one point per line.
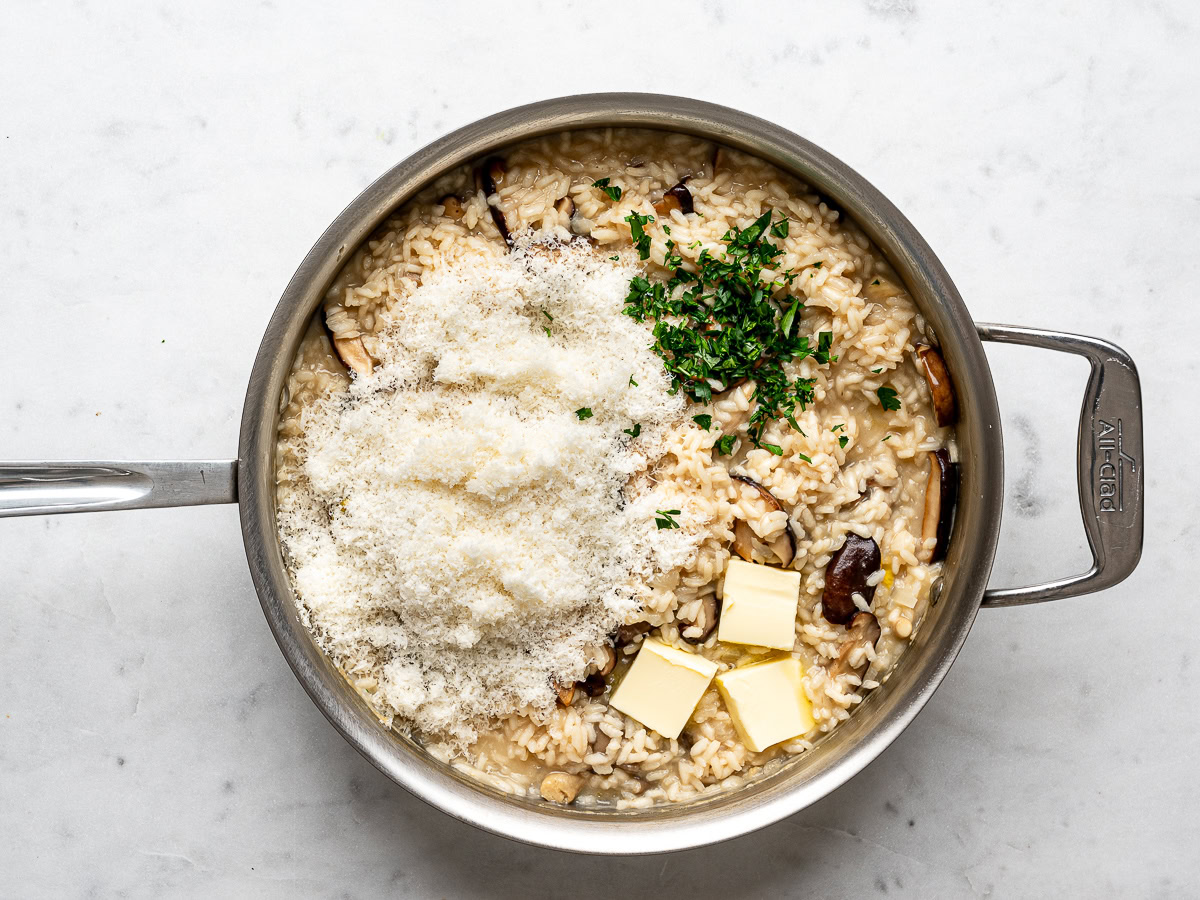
767	702
663	686
759	606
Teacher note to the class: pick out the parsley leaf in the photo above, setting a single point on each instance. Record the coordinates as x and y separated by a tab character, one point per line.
583	413
664	518
723	324
634	431
807	459
780	229
842	441
614	192
546	328
887	398
547	315
888	438
632	383
838	427
704	421
724	444
778	451
637	229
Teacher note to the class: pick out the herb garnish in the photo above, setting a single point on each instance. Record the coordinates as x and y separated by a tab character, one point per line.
634	431
583	413
720	325
780	229
637	228
887	398
724	444
807	459
843	441
663	518
547	315
704	421
614	192
838	427
632	383
546	328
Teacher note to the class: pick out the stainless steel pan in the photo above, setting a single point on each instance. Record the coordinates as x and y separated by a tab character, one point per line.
1109	469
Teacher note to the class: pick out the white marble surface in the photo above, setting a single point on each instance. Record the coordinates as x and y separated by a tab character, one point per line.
164	167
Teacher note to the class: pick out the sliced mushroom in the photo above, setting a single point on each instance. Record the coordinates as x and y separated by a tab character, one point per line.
354	354
846	575
941	494
565	694
784	547
627	634
678	197
565	207
452	205
561	787
945	407
710	614
594	685
864	629
487	176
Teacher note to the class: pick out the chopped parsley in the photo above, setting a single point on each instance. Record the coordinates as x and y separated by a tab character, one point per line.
780	229
614	192
843	441
838	427
634	431
720	325
877	371
776	449
664	518
887	398
583	413
724	444
876	281
704	421
547	315
637	228
615	258
546	328
888	438
807	459
632	383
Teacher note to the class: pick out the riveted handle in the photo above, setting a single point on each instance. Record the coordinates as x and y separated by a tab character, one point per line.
1109	463
44	488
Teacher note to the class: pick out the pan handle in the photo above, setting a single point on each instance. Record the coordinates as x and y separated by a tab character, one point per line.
43	488
1109	464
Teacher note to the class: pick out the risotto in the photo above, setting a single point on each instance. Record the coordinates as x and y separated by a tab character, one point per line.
616	469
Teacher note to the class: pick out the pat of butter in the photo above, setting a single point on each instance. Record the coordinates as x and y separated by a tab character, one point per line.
663	686
767	702
759	606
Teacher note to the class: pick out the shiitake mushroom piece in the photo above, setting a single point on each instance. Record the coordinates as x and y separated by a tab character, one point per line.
710	606
941	388
486	177
941	495
863	630
784	547
846	575
678	197
351	351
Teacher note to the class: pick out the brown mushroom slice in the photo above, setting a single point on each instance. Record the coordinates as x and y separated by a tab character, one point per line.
354	354
941	494
453	206
561	787
710	608
784	547
565	694
627	634
941	388
678	197
846	575
864	629
594	685
487	175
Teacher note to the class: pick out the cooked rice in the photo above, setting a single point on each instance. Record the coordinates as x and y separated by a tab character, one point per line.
874	486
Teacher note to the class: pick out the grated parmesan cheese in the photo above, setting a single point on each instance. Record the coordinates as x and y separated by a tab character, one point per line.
462	535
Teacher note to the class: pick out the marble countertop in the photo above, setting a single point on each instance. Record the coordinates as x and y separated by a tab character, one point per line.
164	168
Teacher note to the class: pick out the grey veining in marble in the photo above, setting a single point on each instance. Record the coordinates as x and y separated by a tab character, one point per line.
164	167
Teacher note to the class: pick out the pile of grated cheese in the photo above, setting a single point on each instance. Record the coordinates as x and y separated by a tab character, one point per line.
463	532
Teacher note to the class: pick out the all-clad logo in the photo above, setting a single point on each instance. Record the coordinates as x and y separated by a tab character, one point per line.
1114	462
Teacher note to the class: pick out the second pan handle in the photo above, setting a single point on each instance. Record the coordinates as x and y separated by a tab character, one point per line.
1109	464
